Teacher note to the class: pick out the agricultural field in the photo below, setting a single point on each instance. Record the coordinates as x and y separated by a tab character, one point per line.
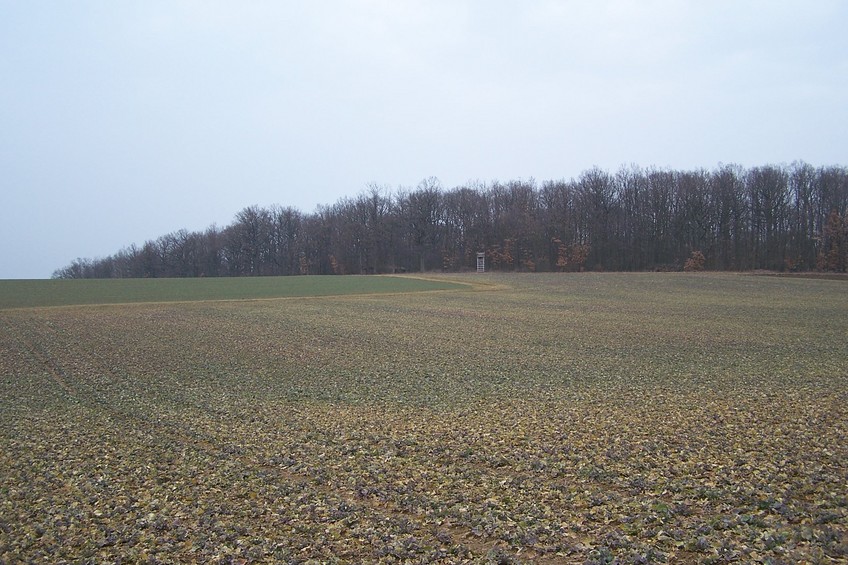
545	418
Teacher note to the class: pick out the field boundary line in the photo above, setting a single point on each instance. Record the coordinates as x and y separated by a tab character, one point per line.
478	286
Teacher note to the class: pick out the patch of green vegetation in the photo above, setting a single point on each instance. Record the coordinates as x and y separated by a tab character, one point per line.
38	293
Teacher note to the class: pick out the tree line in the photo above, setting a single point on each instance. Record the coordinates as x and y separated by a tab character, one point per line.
789	217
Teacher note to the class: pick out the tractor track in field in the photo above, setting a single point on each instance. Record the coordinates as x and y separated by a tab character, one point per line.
38	353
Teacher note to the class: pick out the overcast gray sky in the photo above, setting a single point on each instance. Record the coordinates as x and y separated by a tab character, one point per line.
121	121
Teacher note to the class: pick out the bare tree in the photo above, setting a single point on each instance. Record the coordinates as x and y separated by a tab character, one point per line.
768	217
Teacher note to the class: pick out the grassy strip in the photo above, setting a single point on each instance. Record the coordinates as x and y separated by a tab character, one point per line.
37	293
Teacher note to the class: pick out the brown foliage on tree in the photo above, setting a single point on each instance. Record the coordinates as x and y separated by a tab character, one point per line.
571	257
695	262
833	255
501	257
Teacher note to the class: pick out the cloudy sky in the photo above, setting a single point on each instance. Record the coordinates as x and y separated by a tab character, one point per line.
121	121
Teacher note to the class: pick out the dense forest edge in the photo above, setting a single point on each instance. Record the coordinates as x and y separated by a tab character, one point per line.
787	218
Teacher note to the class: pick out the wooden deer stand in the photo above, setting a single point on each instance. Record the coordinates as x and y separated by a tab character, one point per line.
481	262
